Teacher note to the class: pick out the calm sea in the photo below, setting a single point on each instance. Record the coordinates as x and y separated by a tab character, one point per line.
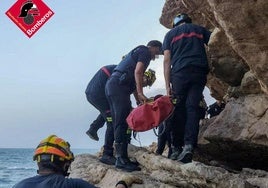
17	164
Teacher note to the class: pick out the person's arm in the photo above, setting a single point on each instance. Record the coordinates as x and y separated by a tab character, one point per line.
206	35
139	71
135	94
167	68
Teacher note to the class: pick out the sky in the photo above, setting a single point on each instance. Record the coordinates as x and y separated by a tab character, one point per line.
43	78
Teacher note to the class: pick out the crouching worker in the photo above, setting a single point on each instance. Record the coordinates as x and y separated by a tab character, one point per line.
54	157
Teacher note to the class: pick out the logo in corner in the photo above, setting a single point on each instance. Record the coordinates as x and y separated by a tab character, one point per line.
29	15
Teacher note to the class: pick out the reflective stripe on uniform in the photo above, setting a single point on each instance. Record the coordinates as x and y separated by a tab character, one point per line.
109	119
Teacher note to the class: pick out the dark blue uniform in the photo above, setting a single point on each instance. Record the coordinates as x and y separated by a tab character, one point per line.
120	86
95	93
189	68
52	181
164	132
215	109
164	137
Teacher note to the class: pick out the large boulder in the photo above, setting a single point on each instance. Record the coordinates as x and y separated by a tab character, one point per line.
239	135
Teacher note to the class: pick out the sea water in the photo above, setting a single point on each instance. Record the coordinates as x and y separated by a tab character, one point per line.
17	164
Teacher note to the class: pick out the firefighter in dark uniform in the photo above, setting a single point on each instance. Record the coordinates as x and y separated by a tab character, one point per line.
185	72
96	90
216	108
127	78
95	94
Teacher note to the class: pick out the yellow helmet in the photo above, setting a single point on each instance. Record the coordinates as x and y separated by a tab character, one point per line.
52	148
150	75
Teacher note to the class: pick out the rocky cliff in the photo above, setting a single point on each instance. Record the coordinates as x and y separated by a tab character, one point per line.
233	147
237	53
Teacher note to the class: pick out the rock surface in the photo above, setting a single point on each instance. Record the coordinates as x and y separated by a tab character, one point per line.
158	171
239	135
239	41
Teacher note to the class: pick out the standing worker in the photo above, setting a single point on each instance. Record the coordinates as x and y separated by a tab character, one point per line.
185	72
126	78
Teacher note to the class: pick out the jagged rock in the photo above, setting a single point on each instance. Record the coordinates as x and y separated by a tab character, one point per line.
158	171
250	84
199	10
245	26
225	64
242	33
239	135
217	87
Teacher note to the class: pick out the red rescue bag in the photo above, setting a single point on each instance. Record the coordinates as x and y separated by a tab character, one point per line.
150	115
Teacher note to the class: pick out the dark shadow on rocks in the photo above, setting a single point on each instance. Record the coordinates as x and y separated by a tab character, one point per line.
233	155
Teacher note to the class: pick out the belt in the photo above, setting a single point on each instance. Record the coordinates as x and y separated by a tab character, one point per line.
117	73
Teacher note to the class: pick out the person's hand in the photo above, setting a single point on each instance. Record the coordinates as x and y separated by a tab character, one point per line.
142	98
138	103
121	184
128	180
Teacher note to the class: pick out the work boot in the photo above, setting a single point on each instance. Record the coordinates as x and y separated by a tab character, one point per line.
107	159
175	152
133	161
122	162
125	155
186	155
92	133
95	126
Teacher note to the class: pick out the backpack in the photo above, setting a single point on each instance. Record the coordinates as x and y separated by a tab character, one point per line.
150	115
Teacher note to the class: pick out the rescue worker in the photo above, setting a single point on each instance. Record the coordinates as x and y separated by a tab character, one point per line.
54	157
216	108
185	72
95	94
127	78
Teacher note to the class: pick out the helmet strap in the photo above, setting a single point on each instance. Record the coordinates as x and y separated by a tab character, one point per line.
65	169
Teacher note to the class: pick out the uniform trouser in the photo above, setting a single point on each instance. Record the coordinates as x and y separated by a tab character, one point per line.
163	138
120	104
98	122
102	105
188	86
